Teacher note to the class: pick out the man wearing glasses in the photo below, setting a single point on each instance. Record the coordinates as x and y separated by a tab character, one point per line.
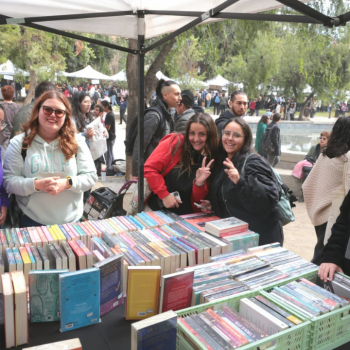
238	105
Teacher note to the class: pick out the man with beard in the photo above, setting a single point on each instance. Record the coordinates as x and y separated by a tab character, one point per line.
238	106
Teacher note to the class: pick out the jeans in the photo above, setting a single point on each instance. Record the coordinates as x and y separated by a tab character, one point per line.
114	100
273	160
18	95
207	103
257	112
109	154
122	112
26	221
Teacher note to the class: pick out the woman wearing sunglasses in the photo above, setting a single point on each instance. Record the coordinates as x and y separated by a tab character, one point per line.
49	166
244	185
316	150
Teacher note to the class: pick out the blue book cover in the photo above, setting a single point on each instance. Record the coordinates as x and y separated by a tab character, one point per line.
111	283
79	298
160	335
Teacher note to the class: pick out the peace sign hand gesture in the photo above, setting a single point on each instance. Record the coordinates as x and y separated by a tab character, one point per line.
232	172
203	173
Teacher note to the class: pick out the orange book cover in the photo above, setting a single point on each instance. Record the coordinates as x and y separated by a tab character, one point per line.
200	222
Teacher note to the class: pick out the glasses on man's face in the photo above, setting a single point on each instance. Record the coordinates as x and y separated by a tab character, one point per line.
228	133
59	113
323	138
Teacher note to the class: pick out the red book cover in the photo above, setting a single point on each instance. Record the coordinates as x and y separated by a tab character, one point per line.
232	232
200	222
176	291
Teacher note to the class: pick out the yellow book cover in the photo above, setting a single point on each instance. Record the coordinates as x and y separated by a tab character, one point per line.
53	233
24	255
112	223
59	233
142	292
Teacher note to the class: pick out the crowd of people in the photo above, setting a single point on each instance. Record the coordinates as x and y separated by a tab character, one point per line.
192	162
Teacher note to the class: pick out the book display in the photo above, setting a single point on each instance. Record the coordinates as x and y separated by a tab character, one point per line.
191	282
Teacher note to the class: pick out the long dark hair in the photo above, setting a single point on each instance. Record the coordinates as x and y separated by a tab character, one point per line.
264	118
107	104
211	143
246	149
80	117
339	142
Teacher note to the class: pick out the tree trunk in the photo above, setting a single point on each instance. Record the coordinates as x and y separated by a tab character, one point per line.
32	87
304	105
151	79
150	85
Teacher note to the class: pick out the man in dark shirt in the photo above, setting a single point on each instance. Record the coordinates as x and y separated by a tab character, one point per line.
110	126
274	157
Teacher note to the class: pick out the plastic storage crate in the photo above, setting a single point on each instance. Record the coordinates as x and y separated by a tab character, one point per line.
295	338
327	331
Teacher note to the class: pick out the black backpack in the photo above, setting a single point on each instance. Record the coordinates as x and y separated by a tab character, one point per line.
132	134
267	146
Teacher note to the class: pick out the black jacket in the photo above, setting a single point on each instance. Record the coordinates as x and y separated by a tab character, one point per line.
334	251
182	119
253	199
156	127
275	138
223	119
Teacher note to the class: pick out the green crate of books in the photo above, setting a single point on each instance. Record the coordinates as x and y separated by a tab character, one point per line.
327	331
293	338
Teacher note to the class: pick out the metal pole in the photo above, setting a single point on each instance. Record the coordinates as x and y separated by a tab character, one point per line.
141	109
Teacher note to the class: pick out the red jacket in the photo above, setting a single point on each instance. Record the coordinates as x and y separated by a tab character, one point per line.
252	105
160	163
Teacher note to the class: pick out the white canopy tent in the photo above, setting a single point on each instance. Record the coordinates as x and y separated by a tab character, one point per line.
121	76
88	73
218	81
8	68
141	19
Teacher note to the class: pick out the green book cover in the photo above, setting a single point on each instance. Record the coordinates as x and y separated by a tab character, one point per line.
44	296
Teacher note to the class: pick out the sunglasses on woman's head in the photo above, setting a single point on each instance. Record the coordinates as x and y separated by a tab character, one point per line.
59	113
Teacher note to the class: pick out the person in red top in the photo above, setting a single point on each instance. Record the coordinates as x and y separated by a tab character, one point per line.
252	107
182	163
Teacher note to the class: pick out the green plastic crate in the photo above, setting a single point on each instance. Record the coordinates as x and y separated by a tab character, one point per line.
295	338
327	331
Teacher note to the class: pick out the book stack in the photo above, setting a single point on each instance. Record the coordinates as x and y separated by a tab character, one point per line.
307	298
283	260
227	328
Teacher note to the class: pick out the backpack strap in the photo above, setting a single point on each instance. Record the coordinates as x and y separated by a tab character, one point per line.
243	167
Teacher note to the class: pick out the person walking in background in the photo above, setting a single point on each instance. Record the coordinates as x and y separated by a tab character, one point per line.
274	157
26	87
208	99
326	177
18	87
262	126
11	109
223	103
252	107
259	104
123	107
110	126
216	104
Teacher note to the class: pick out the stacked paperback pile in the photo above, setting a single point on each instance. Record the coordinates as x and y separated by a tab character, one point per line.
308	298
228	329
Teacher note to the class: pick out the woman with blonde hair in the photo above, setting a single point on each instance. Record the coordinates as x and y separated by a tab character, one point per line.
49	159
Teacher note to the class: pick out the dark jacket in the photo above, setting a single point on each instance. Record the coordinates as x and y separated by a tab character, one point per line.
259	105
182	119
275	138
253	199
334	251
223	119
153	134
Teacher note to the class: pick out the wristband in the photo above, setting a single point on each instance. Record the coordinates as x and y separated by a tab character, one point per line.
70	181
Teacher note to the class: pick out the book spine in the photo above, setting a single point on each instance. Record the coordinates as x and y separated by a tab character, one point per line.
66	234
47	234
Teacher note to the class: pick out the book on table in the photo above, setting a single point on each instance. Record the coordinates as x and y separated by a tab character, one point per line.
79	293
69	344
226	226
157	332
9	311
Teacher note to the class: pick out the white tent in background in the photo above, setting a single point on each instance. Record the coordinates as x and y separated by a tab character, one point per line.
8	68
160	75
88	73
121	76
186	79
218	81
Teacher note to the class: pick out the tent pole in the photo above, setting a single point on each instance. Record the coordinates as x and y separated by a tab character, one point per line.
141	109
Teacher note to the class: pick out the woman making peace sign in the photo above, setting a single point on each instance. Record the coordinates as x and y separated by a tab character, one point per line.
182	164
250	194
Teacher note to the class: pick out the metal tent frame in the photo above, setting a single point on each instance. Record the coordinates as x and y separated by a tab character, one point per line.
308	15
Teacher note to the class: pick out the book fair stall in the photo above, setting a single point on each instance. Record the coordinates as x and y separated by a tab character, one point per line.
156	280
164	281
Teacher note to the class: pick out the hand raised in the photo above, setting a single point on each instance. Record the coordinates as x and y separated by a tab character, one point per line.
204	172
231	172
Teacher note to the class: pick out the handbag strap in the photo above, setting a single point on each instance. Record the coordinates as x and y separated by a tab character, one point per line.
345	172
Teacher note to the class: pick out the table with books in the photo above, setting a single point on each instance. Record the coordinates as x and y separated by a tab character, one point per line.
189	282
